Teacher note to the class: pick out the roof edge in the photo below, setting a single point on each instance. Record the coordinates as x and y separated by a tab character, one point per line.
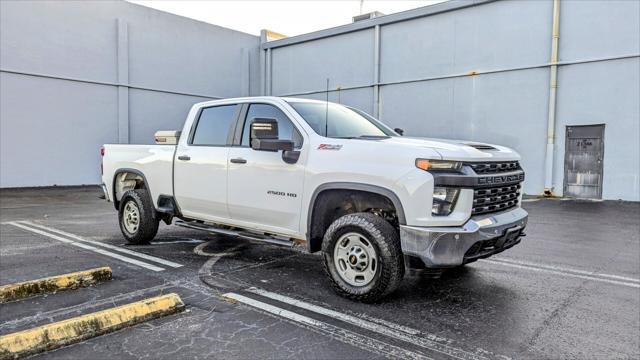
424	11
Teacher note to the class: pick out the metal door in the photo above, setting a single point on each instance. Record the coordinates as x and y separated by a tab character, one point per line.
584	152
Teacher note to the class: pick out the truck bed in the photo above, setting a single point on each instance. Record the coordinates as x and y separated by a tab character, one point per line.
154	161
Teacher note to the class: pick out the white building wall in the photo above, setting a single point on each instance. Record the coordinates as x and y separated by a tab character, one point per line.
76	75
480	70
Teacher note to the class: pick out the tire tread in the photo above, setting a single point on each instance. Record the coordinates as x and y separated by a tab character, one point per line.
388	242
149	221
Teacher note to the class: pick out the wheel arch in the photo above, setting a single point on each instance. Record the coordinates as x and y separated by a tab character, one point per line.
313	227
125	179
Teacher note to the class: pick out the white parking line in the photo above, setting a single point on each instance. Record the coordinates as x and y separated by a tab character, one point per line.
343	335
565	269
89	247
427	341
575	273
108	246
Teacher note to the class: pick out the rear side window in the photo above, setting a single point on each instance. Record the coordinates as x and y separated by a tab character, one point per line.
214	125
286	129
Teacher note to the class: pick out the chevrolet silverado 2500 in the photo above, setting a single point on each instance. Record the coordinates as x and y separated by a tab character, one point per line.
322	177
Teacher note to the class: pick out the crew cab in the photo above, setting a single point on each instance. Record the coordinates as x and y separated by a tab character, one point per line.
321	176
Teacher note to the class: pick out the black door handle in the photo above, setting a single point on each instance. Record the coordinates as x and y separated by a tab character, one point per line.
238	161
184	157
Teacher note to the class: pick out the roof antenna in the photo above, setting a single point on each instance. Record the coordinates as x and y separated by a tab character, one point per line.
326	113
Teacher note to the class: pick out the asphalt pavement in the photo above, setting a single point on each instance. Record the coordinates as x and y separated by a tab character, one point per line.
570	289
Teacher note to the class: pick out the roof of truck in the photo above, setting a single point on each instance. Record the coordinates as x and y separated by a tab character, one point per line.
255	98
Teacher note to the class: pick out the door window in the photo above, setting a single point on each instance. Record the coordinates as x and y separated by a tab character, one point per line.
286	129
214	125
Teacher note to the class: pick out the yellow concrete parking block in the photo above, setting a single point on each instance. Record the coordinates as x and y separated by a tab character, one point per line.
55	335
56	283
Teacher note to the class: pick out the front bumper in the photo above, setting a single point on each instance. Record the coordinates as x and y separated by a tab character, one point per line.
481	236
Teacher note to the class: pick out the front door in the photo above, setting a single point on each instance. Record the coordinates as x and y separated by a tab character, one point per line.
200	175
583	161
263	189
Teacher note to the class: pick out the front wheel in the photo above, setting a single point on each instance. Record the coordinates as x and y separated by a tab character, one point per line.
362	257
137	217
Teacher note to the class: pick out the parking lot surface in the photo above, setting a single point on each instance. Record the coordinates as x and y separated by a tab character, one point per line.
571	289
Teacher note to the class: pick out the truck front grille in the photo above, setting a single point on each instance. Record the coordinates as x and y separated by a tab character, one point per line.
495	199
494	167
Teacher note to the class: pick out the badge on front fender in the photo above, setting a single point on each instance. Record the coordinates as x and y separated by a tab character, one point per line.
329	147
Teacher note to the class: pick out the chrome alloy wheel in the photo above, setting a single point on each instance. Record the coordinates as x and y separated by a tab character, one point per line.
131	217
355	259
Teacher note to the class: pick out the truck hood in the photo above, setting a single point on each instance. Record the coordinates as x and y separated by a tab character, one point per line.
456	149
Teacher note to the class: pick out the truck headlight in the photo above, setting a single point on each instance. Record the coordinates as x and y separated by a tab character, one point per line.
435	165
444	200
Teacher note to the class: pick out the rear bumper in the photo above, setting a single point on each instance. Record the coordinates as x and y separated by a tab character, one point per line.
481	236
105	192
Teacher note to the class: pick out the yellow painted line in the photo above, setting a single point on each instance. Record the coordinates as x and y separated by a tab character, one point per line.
52	284
62	333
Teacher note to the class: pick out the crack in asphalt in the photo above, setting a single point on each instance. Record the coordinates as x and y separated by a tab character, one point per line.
557	312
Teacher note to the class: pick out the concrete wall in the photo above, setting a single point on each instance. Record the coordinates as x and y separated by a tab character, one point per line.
480	70
603	92
75	75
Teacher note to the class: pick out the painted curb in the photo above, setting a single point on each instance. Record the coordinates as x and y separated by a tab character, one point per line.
62	333
22	290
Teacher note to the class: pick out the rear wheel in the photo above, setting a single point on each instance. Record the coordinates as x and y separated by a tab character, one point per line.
137	217
362	257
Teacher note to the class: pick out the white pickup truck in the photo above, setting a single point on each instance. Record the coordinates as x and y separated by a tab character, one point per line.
322	177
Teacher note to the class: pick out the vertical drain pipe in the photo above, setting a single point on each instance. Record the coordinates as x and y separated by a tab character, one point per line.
376	71
263	63
268	73
553	87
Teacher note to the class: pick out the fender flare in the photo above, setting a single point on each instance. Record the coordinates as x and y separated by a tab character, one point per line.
127	170
355	186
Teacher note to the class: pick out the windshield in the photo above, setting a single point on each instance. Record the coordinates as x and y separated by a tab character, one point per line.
337	121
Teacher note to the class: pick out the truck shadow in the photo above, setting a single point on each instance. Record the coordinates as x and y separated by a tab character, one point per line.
461	292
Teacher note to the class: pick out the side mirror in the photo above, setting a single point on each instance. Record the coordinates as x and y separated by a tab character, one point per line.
399	131
264	136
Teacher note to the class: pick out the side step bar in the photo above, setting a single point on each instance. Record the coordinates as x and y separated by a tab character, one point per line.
242	234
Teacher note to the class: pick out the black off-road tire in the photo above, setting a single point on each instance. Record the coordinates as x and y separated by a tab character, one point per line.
148	219
386	242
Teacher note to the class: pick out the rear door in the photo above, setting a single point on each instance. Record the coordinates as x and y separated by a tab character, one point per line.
200	173
263	189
